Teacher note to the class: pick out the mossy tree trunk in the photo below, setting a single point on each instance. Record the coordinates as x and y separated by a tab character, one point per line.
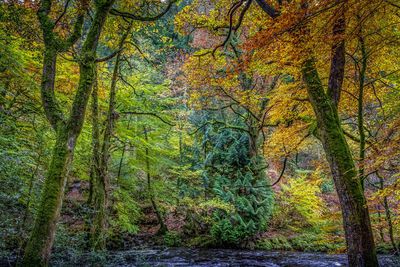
95	160
356	222
102	181
360	115
37	251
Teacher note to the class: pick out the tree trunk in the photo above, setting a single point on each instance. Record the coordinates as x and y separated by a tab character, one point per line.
37	251
101	199
388	213
356	222
360	115
380	225
163	228
390	223
95	161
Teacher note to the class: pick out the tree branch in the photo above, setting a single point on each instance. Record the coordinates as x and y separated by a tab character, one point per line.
271	11
63	13
282	171
113	54
140	18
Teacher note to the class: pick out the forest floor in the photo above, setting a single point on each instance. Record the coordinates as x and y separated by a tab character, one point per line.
274	239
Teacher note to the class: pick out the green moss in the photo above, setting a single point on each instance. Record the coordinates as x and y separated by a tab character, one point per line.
38	249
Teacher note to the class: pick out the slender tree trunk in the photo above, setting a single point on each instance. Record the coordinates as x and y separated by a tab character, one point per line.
388	214
121	161
96	190
380	227
101	198
390	223
37	251
95	161
163	228
360	117
356	222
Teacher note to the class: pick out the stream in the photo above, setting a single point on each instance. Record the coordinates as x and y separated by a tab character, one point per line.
227	257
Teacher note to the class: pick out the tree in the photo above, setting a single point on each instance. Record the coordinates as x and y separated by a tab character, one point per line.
360	243
37	251
39	246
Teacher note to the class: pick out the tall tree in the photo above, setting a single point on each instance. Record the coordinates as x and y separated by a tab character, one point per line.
37	251
359	238
102	172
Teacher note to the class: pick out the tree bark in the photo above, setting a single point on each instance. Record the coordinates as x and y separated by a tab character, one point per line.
95	161
338	61
360	115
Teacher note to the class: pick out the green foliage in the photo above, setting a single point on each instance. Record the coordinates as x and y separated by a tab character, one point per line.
202	241
327	186
276	243
235	179
310	241
172	239
127	212
298	204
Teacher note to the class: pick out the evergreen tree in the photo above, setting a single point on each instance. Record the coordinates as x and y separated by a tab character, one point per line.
237	178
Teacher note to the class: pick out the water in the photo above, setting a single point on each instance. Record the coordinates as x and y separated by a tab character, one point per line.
205	257
227	257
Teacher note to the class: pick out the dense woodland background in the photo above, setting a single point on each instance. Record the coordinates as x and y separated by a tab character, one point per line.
199	129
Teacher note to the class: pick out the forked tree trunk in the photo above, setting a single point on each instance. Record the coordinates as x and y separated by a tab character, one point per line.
37	251
356	222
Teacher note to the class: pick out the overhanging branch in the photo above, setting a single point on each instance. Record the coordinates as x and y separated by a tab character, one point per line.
128	15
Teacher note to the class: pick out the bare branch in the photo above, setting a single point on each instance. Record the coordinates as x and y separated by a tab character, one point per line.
113	54
282	171
63	13
271	11
140	18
